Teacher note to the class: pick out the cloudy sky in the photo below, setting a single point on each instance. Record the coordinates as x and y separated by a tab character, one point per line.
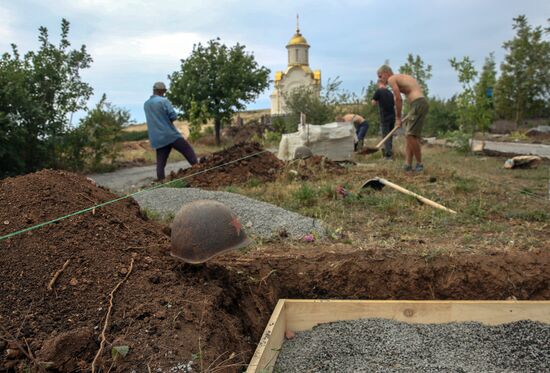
135	43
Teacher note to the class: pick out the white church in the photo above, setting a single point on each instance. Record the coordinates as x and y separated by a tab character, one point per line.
298	73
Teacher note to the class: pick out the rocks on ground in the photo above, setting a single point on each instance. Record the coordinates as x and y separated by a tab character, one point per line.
539	132
260	219
380	345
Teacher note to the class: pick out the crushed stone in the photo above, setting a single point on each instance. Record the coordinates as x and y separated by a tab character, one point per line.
259	219
380	345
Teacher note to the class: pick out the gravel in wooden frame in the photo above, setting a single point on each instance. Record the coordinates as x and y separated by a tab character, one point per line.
380	345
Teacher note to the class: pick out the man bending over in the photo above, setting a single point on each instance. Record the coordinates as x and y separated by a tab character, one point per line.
402	83
361	128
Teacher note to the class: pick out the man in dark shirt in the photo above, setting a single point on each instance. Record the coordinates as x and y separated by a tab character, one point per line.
384	99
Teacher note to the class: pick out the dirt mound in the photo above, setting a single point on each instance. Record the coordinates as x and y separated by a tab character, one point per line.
59	350
171	314
314	167
263	167
153	309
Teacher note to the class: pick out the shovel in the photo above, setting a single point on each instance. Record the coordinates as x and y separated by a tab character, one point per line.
378	183
370	150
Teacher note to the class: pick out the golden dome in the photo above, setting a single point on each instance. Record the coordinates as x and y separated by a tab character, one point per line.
298	39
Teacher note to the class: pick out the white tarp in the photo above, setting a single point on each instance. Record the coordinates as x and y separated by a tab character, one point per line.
333	140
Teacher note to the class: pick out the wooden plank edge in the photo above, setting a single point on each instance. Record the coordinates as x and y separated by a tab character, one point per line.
304	315
271	341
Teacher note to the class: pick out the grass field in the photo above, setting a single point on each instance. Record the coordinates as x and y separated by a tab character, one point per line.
497	208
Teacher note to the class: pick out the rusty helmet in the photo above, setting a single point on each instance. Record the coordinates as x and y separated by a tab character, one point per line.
203	229
302	152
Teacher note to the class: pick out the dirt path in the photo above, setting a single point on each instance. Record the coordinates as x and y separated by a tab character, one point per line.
130	179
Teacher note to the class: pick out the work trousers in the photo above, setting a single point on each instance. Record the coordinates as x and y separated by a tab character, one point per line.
181	146
361	130
386	125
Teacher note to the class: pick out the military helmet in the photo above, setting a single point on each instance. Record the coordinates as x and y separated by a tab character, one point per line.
203	229
302	152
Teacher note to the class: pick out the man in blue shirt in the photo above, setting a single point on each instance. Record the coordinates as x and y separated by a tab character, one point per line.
163	135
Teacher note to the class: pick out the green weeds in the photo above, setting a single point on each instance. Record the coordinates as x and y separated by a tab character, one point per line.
305	195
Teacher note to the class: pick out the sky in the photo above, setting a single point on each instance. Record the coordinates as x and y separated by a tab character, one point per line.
135	43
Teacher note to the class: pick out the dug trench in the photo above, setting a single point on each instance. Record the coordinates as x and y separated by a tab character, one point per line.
169	315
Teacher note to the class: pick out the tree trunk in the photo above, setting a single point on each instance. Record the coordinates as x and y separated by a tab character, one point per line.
519	112
217	128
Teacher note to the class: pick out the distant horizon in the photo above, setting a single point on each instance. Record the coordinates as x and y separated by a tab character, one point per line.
134	44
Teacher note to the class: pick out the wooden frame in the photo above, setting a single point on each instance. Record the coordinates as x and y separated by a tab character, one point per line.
298	315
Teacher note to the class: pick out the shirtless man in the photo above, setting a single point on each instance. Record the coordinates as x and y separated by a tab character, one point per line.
402	83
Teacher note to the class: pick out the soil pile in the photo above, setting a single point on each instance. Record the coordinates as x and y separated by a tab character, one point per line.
314	167
165	316
263	167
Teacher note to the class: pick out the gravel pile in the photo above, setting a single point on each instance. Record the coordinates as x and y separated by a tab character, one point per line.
377	345
260	219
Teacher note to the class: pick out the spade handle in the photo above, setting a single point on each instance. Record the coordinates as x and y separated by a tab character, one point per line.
417	196
383	141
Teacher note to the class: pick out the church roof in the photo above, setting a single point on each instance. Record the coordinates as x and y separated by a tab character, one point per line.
298	39
315	75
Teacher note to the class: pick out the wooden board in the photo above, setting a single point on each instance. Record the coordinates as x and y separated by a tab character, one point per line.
298	315
271	341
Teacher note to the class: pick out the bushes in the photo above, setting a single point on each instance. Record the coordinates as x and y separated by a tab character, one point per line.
39	92
442	117
102	128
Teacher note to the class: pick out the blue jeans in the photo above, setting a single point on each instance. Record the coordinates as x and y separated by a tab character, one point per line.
361	130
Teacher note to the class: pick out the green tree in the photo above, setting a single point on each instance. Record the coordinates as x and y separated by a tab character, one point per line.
198	115
488	77
319	107
368	111
487	81
523	88
37	94
473	112
418	69
222	79
442	117
102	127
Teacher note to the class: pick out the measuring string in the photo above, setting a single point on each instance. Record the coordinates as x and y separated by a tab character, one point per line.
123	197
